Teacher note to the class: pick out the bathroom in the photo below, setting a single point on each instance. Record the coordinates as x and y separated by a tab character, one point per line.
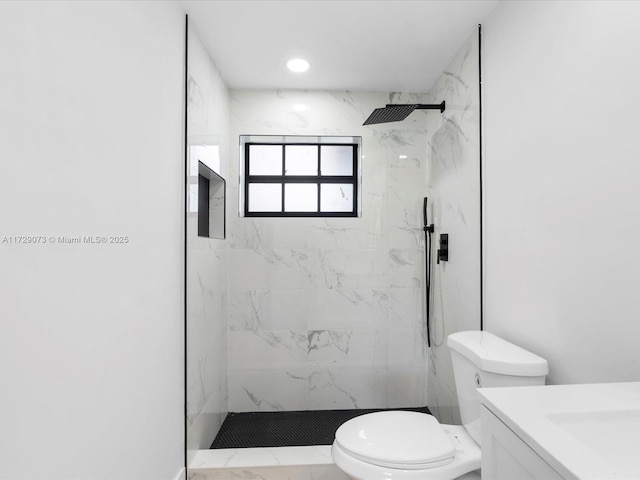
92	124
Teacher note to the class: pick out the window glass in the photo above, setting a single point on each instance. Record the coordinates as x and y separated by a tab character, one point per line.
301	197
301	160
336	197
265	197
336	160
265	159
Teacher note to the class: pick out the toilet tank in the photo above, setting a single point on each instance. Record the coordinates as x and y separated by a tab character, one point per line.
480	360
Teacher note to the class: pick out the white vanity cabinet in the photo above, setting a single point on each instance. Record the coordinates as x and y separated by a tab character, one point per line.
505	456
570	432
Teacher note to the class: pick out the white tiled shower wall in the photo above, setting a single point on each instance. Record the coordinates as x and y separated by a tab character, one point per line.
328	313
453	174
207	261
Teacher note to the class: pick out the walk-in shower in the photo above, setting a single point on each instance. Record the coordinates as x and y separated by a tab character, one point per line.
298	324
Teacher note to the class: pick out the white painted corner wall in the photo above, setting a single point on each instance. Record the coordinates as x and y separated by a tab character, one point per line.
91	144
562	169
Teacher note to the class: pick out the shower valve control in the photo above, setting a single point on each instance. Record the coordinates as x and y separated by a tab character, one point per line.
443	251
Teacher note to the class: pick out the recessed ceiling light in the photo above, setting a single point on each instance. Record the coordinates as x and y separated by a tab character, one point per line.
402	157
298	65
301	107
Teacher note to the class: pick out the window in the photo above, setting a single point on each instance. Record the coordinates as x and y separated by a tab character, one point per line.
300	176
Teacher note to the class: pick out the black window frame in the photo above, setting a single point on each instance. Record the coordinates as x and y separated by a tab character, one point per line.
318	179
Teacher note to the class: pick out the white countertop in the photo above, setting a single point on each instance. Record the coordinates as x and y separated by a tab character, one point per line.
587	431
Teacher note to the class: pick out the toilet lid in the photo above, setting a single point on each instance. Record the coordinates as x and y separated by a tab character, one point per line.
396	439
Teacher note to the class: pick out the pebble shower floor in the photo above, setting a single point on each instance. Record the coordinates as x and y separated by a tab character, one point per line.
286	429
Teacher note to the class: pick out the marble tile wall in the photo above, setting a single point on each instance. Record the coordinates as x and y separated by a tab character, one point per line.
327	313
279	463
297	472
207	259
454	193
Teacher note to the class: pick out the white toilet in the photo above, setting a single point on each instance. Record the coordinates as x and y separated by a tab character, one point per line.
415	446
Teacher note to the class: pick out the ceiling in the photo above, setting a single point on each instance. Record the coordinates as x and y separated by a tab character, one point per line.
359	45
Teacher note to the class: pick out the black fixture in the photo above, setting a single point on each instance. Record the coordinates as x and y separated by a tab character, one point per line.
398	112
443	251
428	230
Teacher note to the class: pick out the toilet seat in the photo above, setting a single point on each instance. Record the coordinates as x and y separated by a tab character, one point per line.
466	458
396	439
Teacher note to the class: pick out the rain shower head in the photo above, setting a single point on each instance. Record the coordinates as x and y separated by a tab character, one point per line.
398	112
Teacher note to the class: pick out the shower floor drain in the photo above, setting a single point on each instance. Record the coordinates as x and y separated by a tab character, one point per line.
286	429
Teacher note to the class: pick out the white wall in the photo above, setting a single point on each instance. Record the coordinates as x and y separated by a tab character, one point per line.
562	172
207	258
91	143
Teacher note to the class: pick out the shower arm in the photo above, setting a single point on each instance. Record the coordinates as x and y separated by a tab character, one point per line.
427	106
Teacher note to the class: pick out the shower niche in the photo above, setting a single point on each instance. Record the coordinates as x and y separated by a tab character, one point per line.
211	203
207	191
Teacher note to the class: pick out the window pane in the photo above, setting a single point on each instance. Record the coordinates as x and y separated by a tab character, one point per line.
336	197
265	197
336	160
301	160
301	197
265	159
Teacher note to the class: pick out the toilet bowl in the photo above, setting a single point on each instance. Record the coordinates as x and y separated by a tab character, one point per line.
404	445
